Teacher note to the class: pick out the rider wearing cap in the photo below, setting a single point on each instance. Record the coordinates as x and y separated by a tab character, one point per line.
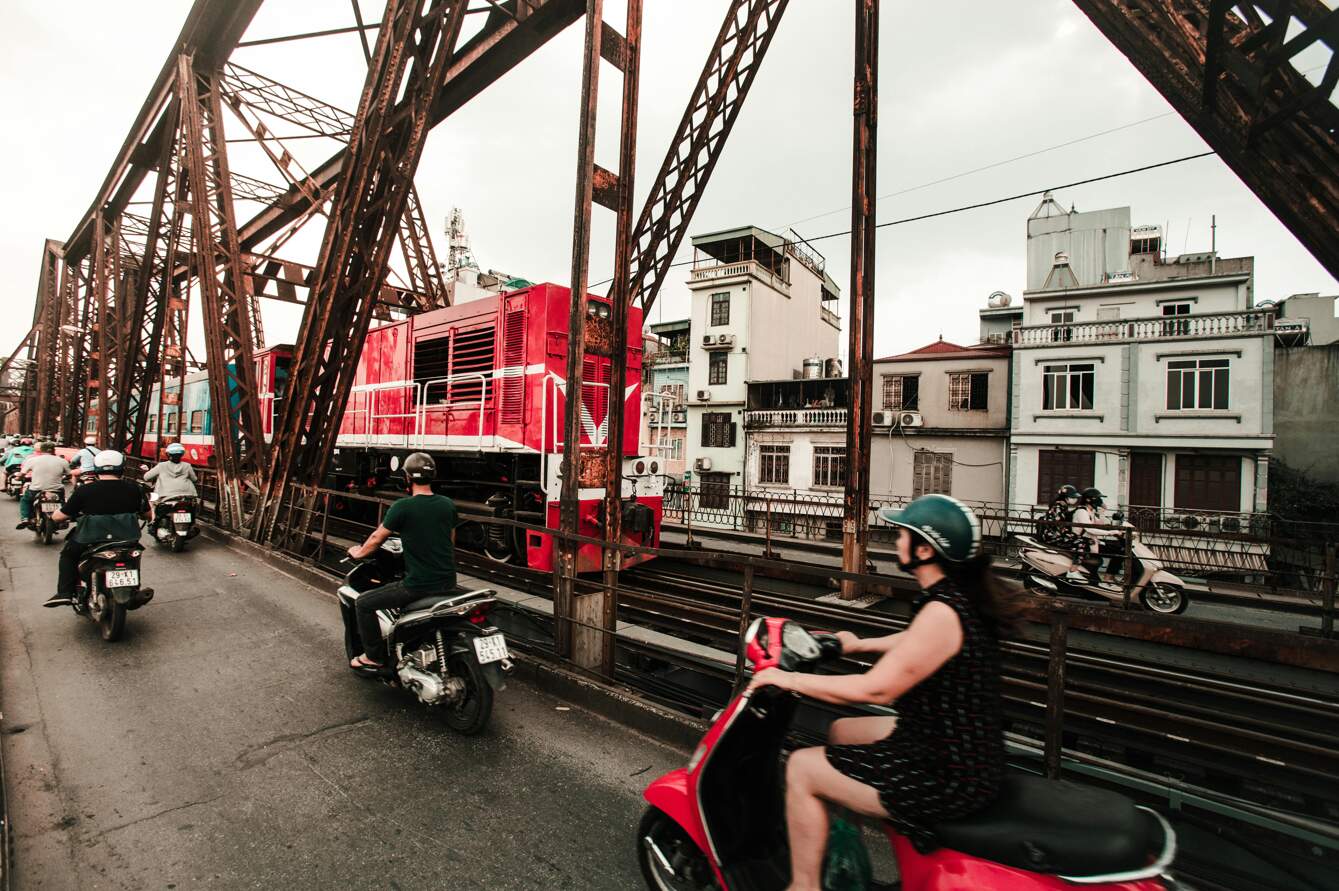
172	478
943	756
46	472
108	509
1055	526
426	524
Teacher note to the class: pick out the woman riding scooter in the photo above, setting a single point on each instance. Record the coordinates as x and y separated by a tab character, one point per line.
943	756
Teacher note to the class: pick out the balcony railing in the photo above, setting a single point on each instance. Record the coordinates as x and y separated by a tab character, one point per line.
798	417
667	357
829	316
744	267
1227	324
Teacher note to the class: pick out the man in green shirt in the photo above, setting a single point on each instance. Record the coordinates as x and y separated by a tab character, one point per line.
426	524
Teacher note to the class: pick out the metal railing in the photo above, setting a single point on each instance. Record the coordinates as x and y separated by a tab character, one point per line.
743	267
1230	324
796	417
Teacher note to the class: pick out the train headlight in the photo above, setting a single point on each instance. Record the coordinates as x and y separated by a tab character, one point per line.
639	467
655	467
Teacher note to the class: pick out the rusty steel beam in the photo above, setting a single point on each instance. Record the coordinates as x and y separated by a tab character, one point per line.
210	32
864	194
248	92
48	322
414	49
287	281
697	144
628	60
230	319
70	357
501	45
1230	74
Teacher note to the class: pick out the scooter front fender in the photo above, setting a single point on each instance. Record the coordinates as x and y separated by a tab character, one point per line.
672	794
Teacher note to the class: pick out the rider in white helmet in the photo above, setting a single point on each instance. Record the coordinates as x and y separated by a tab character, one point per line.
173	477
82	462
107	509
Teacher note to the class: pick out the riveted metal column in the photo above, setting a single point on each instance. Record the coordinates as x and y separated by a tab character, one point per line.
565	567
855	522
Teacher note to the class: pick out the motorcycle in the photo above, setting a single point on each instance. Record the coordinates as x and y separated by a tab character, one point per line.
1053	570
441	647
44	505
719	822
109	586
174	521
15	480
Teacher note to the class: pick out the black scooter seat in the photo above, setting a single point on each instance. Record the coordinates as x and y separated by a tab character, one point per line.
428	601
1059	828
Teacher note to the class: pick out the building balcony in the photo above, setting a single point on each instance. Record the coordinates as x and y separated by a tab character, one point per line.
830	317
712	271
1250	323
796	417
666	357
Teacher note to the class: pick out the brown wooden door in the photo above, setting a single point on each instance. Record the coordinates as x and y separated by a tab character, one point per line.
1055	467
1208	482
1145	489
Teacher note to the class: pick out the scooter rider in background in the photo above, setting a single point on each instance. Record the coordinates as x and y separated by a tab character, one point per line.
15	456
108	509
170	478
83	460
426	524
1096	542
943	756
1055	527
48	475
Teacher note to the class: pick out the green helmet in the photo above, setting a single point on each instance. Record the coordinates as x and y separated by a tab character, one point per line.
946	524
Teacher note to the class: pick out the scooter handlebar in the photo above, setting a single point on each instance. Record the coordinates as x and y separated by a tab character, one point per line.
830	645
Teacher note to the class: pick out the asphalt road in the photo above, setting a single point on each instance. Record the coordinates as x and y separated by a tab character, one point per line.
222	744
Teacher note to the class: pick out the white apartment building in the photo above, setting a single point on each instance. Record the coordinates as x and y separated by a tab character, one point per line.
761	305
1150	378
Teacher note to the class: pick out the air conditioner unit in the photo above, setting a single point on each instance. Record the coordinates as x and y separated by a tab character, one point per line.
708	339
702	464
882	419
725	339
703	395
910	419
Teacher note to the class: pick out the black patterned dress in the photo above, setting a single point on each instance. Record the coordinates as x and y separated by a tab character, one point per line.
945	758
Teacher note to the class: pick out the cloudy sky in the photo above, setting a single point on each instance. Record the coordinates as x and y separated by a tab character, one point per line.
978	101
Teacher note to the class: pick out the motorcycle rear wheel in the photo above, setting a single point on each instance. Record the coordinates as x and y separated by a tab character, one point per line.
111	621
470	715
687	870
178	543
47	529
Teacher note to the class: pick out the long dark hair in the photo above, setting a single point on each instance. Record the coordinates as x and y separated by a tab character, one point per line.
998	601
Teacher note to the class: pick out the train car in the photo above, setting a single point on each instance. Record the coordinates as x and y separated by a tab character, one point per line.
481	387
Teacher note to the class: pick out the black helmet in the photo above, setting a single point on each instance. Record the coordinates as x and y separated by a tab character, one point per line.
1092	495
1066	491
420	468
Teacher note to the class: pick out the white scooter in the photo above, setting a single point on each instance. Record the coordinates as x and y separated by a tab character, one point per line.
1048	569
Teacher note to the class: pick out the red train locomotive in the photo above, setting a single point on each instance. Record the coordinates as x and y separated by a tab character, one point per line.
481	386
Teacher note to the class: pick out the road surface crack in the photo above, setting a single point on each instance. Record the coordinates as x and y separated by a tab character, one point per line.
256	755
154	816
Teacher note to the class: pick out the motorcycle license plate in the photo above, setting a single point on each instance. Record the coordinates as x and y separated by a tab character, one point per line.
122	578
492	648
181	517
50	507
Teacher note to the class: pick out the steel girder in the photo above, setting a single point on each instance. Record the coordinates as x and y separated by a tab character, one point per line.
231	321
1227	68
697	144
248	93
414	49
48	324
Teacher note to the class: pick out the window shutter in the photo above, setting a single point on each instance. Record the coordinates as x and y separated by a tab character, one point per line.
733	428
513	359
980	392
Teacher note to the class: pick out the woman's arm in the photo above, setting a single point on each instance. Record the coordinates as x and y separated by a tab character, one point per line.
852	644
933	638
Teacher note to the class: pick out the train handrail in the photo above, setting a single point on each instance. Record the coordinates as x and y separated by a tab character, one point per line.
449	407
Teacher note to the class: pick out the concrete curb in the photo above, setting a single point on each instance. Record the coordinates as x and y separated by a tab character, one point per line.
606	700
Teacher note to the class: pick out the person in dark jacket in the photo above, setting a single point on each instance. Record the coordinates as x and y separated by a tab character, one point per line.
117	504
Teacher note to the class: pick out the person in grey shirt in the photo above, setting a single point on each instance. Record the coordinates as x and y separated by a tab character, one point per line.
48	475
171	478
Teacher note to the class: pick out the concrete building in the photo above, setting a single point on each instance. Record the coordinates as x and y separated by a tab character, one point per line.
1306	409
761	305
1307	319
941	423
795	455
665	385
1151	378
998	320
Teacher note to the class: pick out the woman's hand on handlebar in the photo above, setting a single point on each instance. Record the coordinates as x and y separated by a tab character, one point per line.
850	643
771	677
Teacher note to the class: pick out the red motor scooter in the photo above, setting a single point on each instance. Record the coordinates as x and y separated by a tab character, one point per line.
719	823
